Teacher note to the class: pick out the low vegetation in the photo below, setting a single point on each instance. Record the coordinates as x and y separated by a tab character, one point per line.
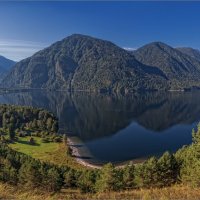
168	193
26	161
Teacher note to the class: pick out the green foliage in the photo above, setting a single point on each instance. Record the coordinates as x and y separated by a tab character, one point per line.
129	176
29	174
70	178
189	159
26	119
86	181
108	178
196	135
11	134
148	173
53	180
168	170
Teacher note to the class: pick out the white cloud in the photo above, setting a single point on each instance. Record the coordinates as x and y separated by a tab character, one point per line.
18	49
129	48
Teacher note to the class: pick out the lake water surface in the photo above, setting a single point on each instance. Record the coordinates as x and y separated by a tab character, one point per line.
117	128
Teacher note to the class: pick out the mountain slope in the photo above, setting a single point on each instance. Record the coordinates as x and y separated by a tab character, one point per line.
194	53
81	62
181	70
5	66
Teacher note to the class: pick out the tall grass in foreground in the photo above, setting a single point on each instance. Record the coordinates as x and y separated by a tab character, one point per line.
169	193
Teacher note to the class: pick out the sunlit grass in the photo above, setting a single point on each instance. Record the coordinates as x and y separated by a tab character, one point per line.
49	152
39	150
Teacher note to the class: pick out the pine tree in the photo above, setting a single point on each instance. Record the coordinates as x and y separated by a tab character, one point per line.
107	179
11	133
168	170
129	176
86	181
149	173
189	159
29	175
54	180
69	178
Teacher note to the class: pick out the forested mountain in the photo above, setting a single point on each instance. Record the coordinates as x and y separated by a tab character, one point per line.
195	53
5	66
81	62
181	70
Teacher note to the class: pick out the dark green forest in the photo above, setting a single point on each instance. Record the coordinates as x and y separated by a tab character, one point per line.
26	121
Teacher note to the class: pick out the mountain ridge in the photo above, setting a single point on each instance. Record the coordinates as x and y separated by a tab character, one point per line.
80	62
182	70
195	53
5	66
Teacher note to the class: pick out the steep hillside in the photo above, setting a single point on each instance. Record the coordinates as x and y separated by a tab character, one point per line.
81	62
194	53
181	70
5	66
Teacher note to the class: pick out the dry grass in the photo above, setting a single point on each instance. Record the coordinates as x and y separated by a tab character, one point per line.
171	193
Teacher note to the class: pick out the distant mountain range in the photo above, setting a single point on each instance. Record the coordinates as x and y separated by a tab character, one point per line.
5	66
81	62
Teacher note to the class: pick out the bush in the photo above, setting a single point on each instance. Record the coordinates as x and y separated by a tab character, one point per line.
32	141
57	139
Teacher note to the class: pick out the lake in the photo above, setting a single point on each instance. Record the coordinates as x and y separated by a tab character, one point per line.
116	128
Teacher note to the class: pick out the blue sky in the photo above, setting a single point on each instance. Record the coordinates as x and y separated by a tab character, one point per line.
27	27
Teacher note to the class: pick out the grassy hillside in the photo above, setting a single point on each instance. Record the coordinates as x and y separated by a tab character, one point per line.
52	152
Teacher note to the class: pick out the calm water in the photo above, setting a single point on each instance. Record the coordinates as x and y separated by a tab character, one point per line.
119	128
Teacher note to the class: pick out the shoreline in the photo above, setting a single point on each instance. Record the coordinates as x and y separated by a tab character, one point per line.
77	156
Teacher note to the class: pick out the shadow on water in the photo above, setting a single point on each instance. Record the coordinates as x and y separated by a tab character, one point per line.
82	157
116	127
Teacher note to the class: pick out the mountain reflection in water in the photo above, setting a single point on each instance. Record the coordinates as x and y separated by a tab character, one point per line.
118	128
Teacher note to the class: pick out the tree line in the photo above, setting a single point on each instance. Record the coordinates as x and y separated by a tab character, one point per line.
20	169
26	121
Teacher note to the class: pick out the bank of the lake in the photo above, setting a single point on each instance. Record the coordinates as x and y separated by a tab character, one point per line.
80	153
